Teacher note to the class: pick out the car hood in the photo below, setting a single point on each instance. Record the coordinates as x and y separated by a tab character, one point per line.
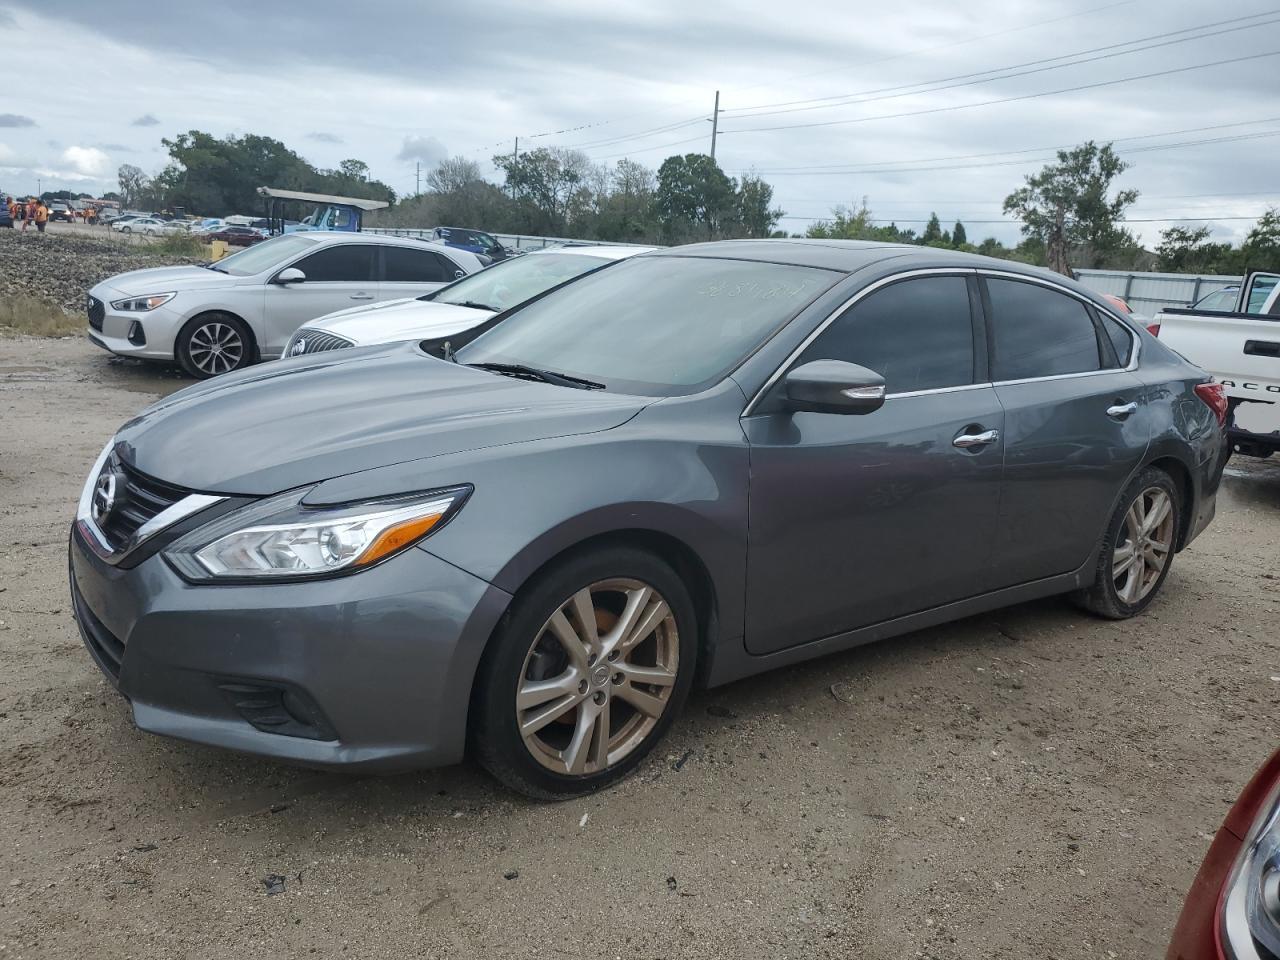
400	320
167	280
280	426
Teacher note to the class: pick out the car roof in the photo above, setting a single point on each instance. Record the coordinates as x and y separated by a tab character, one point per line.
846	256
345	236
605	251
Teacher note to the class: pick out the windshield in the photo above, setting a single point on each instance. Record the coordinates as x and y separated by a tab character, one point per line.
263	256
653	325
515	281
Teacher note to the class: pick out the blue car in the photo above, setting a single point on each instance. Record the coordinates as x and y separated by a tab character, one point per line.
473	241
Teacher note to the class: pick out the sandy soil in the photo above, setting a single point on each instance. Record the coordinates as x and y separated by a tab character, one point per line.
1034	783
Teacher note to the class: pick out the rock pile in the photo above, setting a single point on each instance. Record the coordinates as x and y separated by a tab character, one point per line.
61	267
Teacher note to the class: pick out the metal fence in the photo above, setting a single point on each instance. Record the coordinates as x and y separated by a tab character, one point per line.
1152	292
516	241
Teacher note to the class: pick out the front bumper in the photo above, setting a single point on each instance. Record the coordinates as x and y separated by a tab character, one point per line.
159	326
379	665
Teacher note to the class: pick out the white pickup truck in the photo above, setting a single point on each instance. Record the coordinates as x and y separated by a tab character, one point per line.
1239	343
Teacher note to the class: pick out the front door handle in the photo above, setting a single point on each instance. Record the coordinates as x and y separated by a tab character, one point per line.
967	441
1122	411
362	296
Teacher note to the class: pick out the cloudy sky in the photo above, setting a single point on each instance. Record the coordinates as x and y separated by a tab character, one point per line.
931	105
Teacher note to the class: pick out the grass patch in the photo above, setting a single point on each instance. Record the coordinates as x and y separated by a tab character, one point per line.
178	245
38	318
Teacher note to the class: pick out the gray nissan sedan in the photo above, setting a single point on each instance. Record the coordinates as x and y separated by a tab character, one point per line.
696	465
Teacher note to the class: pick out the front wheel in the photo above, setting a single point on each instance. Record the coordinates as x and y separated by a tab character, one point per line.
585	674
1137	551
214	344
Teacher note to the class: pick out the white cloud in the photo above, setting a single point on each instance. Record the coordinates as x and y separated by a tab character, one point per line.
427	149
87	161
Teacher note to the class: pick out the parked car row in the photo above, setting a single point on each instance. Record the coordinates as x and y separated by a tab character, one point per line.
225	315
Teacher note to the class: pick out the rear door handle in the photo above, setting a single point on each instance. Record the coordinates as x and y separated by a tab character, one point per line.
362	296
1122	411
967	441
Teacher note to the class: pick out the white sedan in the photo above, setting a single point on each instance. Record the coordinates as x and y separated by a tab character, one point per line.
149	226
458	307
221	316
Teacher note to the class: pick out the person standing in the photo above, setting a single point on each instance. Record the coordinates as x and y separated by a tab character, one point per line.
42	216
29	214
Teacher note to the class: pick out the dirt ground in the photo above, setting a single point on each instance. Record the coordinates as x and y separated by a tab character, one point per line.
1030	784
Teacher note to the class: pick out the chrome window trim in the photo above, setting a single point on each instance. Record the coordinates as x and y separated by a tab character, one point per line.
817	331
1105	311
191	504
1135	353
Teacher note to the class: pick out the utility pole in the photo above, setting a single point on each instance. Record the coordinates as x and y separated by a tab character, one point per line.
417	177
715	124
515	160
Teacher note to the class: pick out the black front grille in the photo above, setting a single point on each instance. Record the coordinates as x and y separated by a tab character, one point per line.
102	643
138	499
315	341
96	312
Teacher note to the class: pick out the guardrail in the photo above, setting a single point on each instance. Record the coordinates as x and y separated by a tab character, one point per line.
516	241
1152	292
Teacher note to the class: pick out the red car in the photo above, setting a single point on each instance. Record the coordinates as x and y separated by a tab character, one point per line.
237	236
1233	909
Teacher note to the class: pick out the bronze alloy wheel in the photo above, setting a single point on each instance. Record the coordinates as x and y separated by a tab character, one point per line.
1144	545
598	677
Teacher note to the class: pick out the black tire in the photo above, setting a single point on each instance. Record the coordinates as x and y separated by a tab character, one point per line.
495	738
1104	597
190	348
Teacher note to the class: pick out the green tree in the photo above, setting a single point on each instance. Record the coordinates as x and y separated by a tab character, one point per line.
1261	248
857	223
694	198
756	215
932	230
1069	208
132	182
1182	250
958	235
544	183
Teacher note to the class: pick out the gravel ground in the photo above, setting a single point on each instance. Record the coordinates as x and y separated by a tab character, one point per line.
68	259
1033	783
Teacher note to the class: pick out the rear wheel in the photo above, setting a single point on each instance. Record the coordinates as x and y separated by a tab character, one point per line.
587	671
214	344
1137	551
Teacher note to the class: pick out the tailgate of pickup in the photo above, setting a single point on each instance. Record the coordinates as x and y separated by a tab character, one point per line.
1242	353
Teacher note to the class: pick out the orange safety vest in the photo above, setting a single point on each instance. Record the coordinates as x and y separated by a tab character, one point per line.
42	213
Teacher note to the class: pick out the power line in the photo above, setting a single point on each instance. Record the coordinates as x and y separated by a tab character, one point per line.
868	96
846	167
1028	160
942	46
1014	99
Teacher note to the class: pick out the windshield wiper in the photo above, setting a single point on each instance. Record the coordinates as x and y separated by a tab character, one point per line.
473	304
212	266
533	373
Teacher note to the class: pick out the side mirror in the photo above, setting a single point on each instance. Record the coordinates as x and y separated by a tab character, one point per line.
290	275
834	386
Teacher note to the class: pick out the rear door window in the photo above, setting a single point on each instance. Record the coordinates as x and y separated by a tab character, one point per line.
1039	332
917	334
339	263
406	265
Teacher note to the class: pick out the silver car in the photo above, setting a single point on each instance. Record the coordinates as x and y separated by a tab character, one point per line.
457	308
221	316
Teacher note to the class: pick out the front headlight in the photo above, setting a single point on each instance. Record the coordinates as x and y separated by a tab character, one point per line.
1251	899
142	304
280	538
